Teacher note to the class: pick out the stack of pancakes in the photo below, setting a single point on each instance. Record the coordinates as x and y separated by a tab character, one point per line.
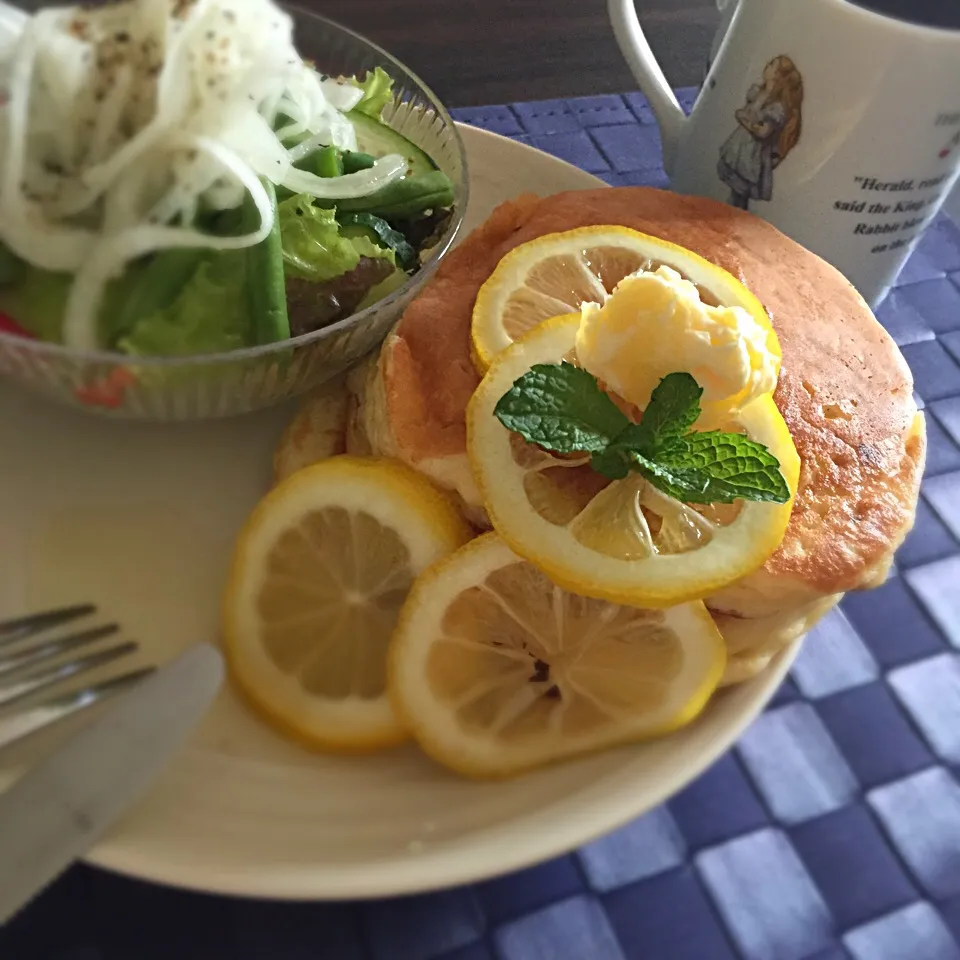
845	392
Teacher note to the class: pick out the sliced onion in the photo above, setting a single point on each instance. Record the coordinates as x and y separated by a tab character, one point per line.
344	96
306	147
62	247
109	114
17	110
342	133
111	255
292	130
120	129
360	184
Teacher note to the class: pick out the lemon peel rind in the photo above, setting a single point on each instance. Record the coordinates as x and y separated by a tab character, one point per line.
410	648
372	725
494	292
655	582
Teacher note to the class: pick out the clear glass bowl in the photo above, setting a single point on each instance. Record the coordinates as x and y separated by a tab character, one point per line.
240	381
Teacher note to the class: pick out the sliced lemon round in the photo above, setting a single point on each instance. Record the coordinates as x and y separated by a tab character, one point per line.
624	540
496	670
319	573
556	273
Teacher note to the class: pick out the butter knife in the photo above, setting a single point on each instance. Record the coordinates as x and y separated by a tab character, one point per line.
57	809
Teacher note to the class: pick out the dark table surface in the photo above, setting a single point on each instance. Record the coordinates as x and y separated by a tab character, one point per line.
521	49
527	49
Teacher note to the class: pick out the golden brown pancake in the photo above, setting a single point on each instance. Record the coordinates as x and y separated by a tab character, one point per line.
845	392
317	431
753	641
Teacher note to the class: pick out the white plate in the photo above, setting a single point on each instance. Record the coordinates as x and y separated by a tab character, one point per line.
141	519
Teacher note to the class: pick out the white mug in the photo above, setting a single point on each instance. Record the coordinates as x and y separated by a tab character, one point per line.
839	125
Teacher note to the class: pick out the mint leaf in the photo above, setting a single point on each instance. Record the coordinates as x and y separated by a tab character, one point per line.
688	486
697	467
561	408
631	446
717	467
614	463
738	467
673	409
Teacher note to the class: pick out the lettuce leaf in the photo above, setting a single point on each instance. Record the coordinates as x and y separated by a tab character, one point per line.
38	299
196	301
37	302
313	247
210	313
11	266
185	302
377	87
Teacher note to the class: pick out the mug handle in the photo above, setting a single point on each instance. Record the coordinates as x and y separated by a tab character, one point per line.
643	65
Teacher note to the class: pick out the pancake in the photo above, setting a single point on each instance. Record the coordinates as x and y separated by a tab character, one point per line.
753	641
317	431
845	390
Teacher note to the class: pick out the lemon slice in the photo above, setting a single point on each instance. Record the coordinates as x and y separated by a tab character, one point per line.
556	273
623	541
496	670
319	573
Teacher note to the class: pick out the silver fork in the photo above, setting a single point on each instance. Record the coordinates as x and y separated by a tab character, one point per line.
28	668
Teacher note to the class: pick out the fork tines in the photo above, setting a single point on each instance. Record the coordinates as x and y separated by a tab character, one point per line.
28	669
22	627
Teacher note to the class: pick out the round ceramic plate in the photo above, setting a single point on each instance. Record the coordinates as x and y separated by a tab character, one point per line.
140	519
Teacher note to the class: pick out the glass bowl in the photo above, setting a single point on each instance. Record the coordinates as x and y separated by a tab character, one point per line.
240	381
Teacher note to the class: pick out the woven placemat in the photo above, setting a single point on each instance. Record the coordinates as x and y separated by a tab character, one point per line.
831	831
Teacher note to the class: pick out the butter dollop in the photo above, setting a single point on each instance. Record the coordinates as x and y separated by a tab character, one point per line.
655	323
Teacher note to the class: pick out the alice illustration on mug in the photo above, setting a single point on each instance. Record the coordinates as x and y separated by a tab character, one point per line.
768	128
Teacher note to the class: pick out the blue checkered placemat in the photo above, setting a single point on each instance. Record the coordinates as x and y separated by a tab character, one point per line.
831	832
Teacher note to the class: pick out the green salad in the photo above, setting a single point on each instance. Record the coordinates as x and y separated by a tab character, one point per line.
176	181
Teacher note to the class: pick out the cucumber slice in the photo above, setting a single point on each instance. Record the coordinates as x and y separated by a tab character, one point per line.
378	139
382	234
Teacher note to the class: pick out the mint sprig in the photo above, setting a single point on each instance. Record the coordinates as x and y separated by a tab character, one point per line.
561	408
